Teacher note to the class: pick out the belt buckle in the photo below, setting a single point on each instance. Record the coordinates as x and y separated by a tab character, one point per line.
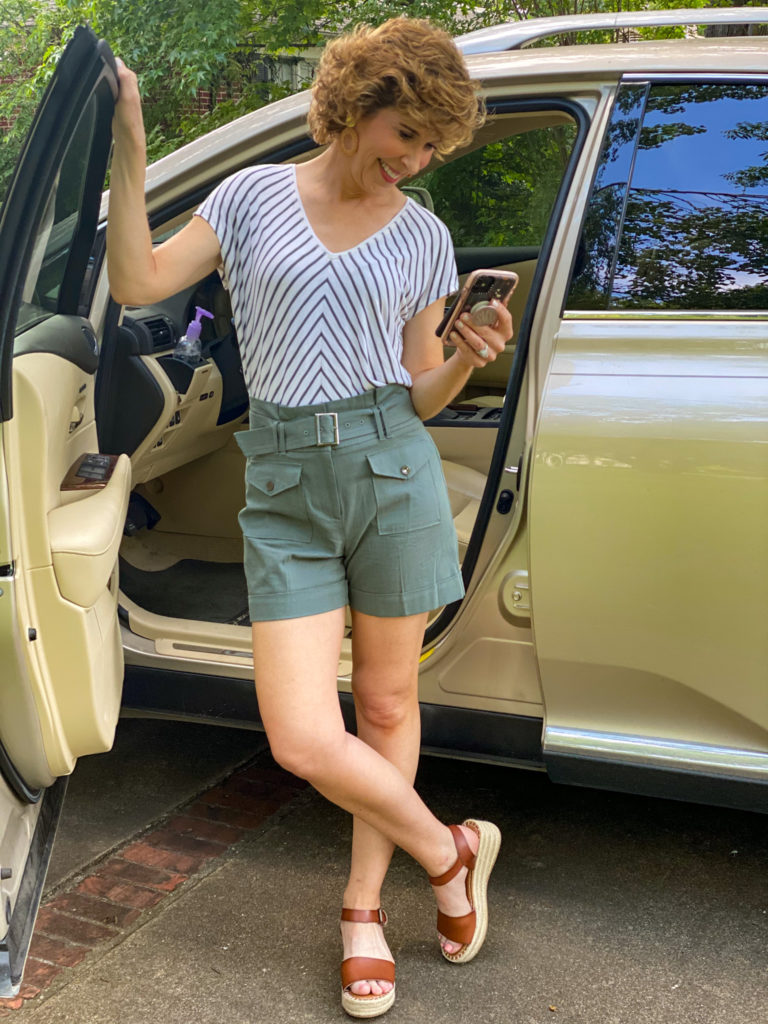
318	428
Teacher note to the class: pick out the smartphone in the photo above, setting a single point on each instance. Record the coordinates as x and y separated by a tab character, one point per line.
480	288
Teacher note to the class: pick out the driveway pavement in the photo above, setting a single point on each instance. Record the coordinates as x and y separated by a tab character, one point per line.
606	909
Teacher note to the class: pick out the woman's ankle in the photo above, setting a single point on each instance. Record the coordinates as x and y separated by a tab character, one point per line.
444	857
361	898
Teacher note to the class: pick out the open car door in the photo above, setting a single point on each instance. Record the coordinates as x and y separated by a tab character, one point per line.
61	665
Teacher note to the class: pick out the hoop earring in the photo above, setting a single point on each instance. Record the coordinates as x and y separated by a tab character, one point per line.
349	141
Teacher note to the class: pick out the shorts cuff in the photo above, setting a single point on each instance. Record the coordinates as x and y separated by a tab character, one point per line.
388	606
298	604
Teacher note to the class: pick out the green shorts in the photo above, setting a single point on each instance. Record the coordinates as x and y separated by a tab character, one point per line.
346	504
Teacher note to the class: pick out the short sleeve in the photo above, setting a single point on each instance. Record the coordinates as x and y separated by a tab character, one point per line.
439	276
226	209
219	210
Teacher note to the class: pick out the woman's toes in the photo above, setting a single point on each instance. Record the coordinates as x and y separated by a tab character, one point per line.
370	987
366	940
448	946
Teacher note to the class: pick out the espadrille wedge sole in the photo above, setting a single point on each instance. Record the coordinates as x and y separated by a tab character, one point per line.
470	930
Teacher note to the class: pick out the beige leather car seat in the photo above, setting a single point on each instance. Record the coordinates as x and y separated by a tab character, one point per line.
465	489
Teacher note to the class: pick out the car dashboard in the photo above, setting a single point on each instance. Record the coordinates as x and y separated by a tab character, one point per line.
169	412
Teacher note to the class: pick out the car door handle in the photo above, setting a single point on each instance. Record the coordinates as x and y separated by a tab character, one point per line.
76	416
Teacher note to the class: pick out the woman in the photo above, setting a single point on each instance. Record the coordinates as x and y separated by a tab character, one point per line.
338	283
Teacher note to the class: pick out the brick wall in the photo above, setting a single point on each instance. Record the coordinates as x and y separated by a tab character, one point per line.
7	120
205	99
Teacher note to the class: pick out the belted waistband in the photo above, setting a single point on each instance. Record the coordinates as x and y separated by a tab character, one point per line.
322	430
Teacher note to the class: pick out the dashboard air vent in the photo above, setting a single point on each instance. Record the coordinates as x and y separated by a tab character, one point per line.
162	331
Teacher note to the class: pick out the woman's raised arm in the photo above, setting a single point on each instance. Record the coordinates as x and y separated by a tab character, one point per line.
138	274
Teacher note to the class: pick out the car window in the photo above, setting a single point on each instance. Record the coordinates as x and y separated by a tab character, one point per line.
678	216
501	193
52	245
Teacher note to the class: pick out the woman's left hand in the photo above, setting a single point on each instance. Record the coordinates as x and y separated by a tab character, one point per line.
478	346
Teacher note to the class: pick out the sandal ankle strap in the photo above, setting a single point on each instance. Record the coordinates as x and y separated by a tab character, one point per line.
465	858
364	916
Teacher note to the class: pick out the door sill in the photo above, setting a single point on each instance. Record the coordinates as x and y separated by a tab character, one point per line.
210	648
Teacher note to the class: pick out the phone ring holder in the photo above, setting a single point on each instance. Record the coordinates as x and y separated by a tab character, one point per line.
483	314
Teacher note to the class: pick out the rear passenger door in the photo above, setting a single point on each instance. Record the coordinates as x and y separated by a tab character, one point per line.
649	495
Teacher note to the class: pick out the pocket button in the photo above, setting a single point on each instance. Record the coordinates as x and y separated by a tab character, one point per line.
405	470
270	485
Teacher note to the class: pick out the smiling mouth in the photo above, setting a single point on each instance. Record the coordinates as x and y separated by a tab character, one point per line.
389	174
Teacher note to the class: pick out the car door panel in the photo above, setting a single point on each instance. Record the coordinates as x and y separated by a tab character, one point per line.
33	827
626	586
67	557
59	633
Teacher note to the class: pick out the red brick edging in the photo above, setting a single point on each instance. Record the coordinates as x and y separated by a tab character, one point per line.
108	902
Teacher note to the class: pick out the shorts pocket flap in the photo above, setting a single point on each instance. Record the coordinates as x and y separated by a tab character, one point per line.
271	479
400	463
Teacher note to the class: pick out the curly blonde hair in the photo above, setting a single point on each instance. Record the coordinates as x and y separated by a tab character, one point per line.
406	63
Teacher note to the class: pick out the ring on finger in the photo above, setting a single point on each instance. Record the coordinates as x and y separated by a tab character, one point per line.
483	352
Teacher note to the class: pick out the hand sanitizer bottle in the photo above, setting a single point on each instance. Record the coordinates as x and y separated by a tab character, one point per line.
188	348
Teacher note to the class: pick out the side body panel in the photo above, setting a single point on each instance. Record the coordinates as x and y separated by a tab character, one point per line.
648	544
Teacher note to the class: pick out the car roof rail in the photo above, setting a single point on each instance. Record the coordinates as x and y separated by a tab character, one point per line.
515	35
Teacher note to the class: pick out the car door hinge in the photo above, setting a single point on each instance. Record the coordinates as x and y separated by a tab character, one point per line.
7	570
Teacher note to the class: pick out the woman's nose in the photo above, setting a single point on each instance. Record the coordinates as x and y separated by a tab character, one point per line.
411	162
426	156
416	161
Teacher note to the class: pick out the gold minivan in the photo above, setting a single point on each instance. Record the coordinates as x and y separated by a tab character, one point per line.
608	475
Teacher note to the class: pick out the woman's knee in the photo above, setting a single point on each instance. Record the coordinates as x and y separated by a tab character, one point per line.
303	754
386	709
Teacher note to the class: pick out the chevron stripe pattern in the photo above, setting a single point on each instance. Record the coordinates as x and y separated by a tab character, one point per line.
315	325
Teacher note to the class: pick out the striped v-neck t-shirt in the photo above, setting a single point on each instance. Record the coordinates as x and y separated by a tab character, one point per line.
315	325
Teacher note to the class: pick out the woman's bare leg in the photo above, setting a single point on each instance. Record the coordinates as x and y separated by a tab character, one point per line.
385	681
296	665
385	659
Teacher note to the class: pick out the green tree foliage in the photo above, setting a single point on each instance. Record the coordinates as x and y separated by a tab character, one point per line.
502	194
177	48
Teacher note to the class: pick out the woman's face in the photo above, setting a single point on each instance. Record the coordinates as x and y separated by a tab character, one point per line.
390	149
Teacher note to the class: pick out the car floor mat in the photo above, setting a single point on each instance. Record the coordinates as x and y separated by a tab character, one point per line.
190	589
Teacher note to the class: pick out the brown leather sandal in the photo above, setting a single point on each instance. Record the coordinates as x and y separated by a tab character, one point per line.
362	968
470	929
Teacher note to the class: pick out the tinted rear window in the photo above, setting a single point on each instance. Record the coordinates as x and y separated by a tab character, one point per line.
678	217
